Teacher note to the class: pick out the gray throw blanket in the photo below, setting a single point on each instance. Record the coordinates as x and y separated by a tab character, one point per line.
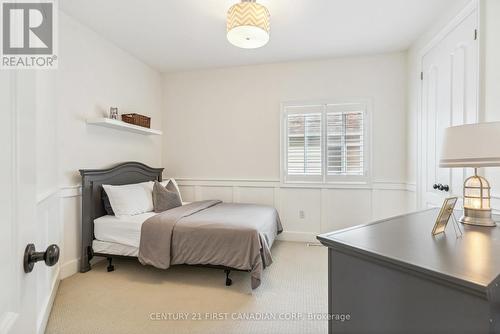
211	232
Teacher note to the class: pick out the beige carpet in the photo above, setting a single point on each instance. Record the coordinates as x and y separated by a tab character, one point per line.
124	301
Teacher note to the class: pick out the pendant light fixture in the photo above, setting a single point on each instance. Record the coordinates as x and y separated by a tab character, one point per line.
248	25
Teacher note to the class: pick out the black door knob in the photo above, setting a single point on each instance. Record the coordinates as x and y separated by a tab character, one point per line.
31	256
437	186
444	187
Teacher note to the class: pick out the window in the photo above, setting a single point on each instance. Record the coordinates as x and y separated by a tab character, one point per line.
325	142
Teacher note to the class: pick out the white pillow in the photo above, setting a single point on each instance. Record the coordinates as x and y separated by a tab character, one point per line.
165	183
130	199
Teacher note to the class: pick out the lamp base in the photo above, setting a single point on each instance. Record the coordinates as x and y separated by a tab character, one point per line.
477	217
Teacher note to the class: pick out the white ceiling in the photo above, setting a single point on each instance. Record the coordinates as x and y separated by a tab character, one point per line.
173	35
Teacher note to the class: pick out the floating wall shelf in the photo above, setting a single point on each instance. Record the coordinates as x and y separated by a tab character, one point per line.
119	125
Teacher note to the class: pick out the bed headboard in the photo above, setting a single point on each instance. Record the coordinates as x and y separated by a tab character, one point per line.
92	205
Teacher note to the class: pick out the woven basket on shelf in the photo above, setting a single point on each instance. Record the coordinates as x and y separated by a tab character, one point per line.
137	119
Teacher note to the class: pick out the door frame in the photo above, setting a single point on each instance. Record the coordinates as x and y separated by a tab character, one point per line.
9	319
473	5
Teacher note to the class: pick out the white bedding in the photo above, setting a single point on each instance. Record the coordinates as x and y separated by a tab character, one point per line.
130	199
124	230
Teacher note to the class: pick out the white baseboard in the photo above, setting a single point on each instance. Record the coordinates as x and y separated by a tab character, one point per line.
297	236
73	266
69	268
45	312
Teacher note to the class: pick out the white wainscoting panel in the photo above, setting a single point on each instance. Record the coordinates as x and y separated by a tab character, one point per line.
222	193
389	203
293	201
263	196
411	200
188	193
324	209
345	208
72	237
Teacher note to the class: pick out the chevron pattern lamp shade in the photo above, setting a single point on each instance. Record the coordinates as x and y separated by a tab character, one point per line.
248	25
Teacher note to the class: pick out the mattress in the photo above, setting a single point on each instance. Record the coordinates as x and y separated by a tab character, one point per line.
114	248
124	230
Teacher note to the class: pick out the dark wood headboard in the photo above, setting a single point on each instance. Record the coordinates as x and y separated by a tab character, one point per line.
92	205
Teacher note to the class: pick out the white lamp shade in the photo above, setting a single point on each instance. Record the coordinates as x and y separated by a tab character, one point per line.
471	145
248	25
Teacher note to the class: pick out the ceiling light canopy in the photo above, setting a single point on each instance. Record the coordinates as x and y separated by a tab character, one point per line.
248	25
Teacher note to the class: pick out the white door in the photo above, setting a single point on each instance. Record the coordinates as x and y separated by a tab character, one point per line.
19	310
449	97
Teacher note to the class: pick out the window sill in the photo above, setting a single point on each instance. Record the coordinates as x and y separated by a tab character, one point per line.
367	184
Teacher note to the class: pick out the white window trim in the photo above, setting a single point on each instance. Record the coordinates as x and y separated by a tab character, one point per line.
332	180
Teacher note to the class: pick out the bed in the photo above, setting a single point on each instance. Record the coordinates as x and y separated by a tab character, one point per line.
226	236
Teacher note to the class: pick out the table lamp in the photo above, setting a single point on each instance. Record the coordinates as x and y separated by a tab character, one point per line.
473	145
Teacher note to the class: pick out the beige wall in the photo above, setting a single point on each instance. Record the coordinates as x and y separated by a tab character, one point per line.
93	75
222	138
46	132
224	123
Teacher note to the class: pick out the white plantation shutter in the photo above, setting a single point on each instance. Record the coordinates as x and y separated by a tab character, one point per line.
325	142
304	141
345	150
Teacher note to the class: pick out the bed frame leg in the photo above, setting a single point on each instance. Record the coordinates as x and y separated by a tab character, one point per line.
110	267
228	280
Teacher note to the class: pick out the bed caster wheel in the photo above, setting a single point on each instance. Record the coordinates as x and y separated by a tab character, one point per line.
110	266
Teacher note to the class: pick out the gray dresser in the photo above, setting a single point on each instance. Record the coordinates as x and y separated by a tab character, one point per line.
393	276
